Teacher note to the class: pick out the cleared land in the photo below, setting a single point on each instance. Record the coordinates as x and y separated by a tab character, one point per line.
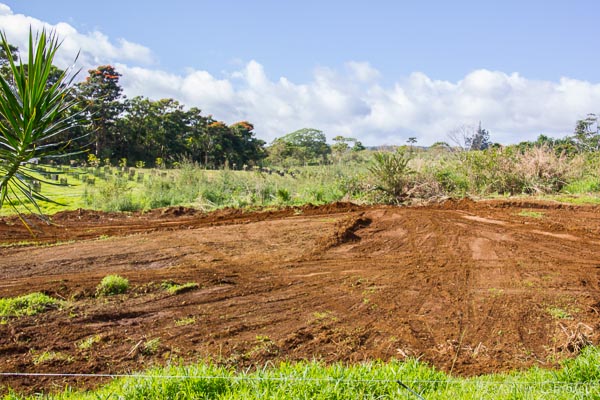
469	287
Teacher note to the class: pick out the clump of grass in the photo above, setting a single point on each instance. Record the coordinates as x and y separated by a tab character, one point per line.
87	343
174	288
111	285
48	356
185	321
531	214
30	304
151	346
558	313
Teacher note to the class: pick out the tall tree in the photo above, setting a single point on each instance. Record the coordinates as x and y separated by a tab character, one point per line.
480	140
101	94
247	149
217	144
587	133
305	146
196	134
341	146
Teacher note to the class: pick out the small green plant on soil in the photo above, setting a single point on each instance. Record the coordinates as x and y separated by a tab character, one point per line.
185	321
559	313
324	316
30	304
89	342
174	288
111	285
531	214
48	356
151	346
263	338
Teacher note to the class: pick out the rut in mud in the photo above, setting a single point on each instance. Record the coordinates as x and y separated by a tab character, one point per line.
468	287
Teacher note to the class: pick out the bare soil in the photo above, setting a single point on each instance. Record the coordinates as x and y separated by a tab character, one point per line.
469	287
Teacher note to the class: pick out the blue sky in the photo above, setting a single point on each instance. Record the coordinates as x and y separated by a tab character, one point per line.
380	71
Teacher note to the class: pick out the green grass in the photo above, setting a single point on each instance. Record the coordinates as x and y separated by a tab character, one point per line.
185	321
577	379
531	214
89	342
477	174
111	285
587	185
173	288
48	356
579	199
30	304
559	313
193	186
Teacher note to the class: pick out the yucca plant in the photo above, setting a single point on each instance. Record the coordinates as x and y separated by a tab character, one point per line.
34	111
391	172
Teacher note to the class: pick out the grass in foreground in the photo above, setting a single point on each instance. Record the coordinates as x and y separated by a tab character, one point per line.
578	379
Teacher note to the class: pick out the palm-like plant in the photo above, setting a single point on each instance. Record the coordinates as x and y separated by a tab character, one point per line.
34	111
391	171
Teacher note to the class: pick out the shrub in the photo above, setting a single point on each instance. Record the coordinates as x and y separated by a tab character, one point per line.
111	285
391	172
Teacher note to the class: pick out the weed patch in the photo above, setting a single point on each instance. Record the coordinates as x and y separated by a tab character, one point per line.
531	214
30	304
173	288
112	285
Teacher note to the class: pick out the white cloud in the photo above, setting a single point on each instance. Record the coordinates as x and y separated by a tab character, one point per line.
511	107
362	71
5	10
95	47
351	101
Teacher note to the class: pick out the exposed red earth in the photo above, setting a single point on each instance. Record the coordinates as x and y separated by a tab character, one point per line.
469	287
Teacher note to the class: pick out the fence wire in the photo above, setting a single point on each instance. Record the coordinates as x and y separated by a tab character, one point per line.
287	378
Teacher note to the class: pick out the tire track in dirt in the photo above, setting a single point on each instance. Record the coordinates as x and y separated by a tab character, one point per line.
466	286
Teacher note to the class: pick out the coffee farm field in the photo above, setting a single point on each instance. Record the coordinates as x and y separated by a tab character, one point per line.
329	301
127	189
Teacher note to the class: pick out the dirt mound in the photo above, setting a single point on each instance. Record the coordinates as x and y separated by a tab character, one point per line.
344	231
176	212
471	287
332	208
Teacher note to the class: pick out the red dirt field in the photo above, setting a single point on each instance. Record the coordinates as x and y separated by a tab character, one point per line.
468	287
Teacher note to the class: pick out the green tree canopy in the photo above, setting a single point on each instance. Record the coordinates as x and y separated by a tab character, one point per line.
101	96
304	146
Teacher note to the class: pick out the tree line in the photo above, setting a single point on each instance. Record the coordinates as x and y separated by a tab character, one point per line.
150	132
116	129
158	132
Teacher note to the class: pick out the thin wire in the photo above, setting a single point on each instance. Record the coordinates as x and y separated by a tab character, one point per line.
248	378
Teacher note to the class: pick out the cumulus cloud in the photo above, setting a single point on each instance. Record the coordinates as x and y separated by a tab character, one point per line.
94	47
510	106
352	101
